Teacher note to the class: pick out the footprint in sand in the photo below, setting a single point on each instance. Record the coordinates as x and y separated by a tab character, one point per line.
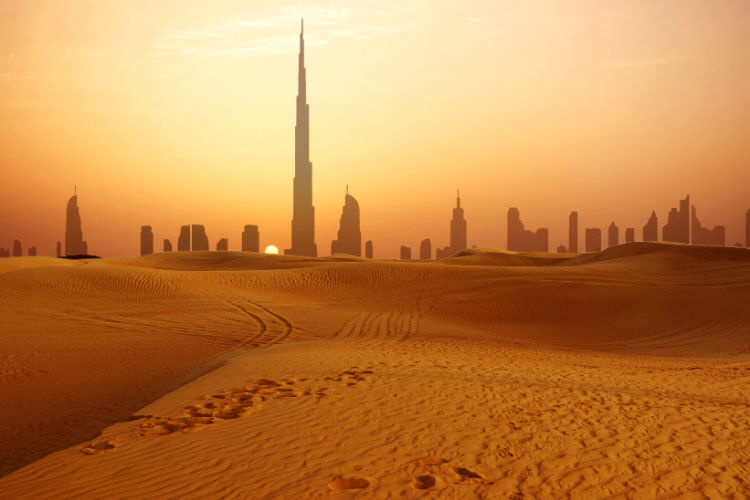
466	475
97	447
349	483
427	482
429	461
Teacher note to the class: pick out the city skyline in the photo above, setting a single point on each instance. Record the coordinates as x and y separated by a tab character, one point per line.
239	189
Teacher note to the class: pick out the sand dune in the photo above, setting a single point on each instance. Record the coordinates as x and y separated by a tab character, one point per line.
487	375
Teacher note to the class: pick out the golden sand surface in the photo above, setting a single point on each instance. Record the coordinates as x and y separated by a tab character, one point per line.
621	374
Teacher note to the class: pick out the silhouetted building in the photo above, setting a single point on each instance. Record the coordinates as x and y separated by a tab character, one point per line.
74	244
303	219
677	228
613	235
147	240
17	251
368	249
703	235
593	239
59	249
562	249
349	237
425	249
457	232
250	239
4	253
573	232
199	238
747	228
630	235
222	245
405	253
523	240
651	229
183	241
167	245
32	252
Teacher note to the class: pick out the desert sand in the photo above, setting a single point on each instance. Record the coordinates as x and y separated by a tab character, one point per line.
620	374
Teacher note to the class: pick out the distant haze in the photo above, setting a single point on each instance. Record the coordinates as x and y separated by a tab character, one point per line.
182	112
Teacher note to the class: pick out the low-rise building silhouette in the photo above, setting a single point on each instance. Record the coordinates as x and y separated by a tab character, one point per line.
651	229
183	240
368	249
613	235
31	252
522	240
349	236
677	228
250	239
222	245
425	249
199	242
147	240
562	249
573	232
405	252
17	251
703	235
593	239
4	253
630	235
167	245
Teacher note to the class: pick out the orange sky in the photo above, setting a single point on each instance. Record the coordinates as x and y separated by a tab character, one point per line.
175	112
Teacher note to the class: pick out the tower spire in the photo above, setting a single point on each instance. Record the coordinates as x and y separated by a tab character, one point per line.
458	198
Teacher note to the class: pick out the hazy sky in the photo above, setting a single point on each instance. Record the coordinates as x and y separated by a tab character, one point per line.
178	111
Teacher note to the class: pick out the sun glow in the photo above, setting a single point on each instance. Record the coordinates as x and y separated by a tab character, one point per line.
272	249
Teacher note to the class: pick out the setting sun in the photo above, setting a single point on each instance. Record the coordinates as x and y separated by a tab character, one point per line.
272	249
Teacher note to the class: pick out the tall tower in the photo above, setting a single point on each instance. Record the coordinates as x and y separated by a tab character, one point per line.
458	227
74	244
303	219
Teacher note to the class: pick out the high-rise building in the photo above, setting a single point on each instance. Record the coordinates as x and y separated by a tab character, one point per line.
4	253
74	244
425	249
303	219
651	229
368	249
167	245
183	241
405	252
32	252
250	239
199	239
593	239
59	249
705	236
222	245
613	235
523	240
147	240
677	228
630	235
573	232
747	228
349	236
457	232
17	251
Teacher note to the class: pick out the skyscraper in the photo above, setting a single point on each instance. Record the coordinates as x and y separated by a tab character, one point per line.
303	219
250	239
703	235
405	252
147	240
747	228
425	249
613	235
368	249
677	228
573	232
651	229
199	239
183	240
17	251
222	245
457	233
521	239
74	244
630	235
593	239
167	245
349	237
